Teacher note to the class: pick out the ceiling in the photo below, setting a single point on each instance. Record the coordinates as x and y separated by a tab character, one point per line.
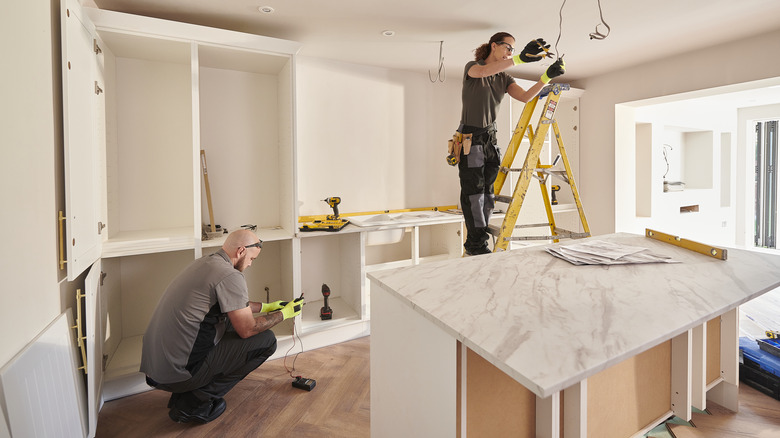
351	30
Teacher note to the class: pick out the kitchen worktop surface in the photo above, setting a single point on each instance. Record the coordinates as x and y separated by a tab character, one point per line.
549	324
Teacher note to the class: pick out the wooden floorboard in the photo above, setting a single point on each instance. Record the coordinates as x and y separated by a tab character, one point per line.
758	416
265	403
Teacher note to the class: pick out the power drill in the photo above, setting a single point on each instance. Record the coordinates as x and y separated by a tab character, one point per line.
333	202
326	312
554	189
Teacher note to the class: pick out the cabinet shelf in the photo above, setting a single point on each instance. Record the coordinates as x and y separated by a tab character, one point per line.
342	313
149	241
265	234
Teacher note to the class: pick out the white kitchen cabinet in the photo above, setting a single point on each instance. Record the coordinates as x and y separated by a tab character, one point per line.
141	98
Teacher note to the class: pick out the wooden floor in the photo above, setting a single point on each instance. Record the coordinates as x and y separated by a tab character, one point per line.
758	416
265	404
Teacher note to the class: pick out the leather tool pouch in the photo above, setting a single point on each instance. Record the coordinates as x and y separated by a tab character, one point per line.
467	143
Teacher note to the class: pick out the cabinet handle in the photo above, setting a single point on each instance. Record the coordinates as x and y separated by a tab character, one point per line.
61	221
80	339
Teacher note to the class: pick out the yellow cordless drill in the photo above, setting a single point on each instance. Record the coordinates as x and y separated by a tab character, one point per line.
554	189
333	202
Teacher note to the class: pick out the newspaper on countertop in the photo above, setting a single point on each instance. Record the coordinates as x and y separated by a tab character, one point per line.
598	252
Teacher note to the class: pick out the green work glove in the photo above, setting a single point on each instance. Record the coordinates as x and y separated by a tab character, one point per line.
531	52
555	70
270	307
292	309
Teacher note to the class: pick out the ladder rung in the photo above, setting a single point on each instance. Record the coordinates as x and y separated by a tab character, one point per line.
516	238
503	198
533	225
566	234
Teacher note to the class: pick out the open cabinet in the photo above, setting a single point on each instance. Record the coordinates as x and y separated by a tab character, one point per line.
142	98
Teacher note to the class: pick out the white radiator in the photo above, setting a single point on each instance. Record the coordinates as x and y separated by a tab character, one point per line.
43	390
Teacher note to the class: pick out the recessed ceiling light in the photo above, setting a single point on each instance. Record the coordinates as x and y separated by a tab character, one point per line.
266	9
388	33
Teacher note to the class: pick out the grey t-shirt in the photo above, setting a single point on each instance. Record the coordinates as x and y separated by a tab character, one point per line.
481	97
190	318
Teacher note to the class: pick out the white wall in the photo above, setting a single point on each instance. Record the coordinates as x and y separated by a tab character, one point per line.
705	68
375	137
29	137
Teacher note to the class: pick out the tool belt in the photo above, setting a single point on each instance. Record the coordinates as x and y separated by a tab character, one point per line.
462	141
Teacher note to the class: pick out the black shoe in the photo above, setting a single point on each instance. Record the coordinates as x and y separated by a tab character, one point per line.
202	414
478	251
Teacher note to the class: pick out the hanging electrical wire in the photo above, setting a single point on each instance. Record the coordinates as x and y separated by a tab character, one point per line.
560	29
598	35
441	74
666	158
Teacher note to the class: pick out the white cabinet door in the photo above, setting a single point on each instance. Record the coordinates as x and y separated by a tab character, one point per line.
94	316
79	95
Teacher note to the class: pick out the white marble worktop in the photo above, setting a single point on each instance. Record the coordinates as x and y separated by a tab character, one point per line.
549	324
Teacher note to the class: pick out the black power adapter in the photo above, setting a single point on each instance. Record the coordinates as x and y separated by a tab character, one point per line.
304	383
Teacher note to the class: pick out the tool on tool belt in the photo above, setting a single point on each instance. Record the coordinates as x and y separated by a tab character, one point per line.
326	312
553	189
332	222
455	145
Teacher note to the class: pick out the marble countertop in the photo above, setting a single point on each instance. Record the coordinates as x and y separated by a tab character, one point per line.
549	324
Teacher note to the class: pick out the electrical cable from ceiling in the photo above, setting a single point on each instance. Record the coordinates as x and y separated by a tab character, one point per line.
441	74
596	35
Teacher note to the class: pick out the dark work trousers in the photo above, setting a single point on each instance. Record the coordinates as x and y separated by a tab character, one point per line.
478	171
227	363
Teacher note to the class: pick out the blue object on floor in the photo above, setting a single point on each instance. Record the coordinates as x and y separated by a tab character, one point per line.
766	361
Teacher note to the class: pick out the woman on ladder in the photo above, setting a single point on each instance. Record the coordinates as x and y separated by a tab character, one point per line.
484	86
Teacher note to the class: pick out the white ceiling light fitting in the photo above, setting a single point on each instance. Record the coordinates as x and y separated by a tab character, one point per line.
266	9
388	33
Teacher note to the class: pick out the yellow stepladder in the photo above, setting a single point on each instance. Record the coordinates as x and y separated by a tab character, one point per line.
533	168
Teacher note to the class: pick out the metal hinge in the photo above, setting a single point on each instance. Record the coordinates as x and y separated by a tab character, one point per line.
96	47
102	277
101	225
98	90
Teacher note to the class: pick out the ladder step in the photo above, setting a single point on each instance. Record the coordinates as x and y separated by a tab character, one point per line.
495	230
560	233
503	198
566	234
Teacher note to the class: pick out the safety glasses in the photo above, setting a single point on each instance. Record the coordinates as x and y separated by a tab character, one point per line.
508	46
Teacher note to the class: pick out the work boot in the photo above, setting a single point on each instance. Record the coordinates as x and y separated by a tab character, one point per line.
206	412
478	251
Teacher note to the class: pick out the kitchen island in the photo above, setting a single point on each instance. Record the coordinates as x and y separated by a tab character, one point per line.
522	343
